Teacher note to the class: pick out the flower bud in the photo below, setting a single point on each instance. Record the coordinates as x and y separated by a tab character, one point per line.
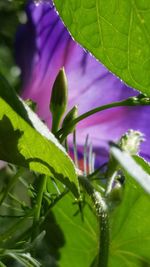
67	123
59	99
130	142
115	196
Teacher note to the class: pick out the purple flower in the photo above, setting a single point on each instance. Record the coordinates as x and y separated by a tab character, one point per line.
43	47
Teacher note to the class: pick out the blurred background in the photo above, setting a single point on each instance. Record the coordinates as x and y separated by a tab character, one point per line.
11	15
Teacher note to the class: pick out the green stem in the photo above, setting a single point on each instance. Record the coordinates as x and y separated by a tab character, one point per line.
55	125
11	184
59	197
102	214
43	180
75	149
103	219
27	233
128	102
104	239
98	109
38	206
66	146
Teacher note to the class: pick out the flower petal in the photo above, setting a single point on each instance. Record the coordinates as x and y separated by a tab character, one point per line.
51	47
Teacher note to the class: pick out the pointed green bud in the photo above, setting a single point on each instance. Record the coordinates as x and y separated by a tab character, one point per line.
130	142
67	123
59	99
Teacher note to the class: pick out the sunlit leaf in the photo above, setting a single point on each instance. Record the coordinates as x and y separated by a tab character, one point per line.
26	141
80	244
115	32
130	232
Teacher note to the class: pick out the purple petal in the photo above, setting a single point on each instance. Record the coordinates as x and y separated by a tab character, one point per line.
47	47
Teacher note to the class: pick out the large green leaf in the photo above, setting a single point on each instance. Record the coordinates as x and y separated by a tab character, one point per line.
26	141
80	234
130	231
129	223
115	32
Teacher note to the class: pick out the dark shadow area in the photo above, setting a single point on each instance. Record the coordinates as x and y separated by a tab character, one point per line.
54	237
145	264
9	95
49	250
9	139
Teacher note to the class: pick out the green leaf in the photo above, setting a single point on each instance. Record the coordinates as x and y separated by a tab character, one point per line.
26	141
133	168
80	244
130	231
115	32
75	241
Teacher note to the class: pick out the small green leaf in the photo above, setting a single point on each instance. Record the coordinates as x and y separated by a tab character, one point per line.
115	32
132	167
26	141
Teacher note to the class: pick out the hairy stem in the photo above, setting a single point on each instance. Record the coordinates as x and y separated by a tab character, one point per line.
102	215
